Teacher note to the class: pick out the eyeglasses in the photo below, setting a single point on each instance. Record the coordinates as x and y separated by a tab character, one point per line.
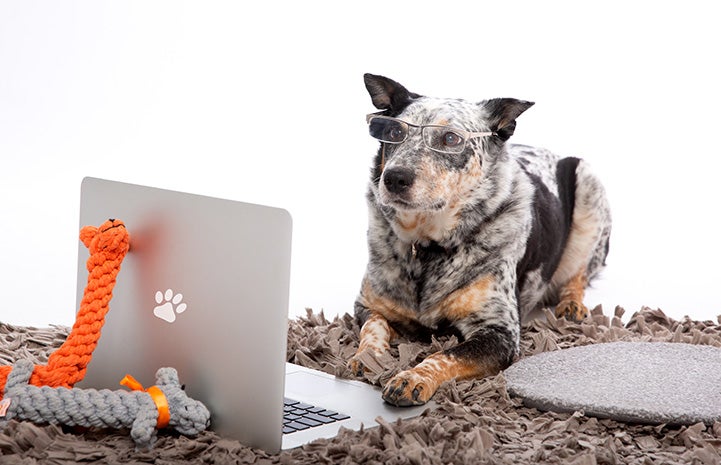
443	139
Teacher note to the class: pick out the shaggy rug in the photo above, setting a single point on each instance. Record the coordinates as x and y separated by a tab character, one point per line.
476	422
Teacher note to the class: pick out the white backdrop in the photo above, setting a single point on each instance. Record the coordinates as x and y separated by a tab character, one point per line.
264	102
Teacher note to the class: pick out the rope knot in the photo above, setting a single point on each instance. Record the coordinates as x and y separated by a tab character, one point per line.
161	402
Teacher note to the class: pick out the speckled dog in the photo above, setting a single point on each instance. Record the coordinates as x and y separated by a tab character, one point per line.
468	234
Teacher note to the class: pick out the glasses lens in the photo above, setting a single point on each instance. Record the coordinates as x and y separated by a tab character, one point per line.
443	139
388	130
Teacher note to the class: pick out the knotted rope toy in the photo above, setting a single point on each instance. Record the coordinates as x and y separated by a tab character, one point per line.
43	393
108	245
164	404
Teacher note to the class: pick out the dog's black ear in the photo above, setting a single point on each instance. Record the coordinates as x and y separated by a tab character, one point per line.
502	114
387	94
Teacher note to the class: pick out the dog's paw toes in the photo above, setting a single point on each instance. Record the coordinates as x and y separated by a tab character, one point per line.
571	310
407	389
369	362
357	367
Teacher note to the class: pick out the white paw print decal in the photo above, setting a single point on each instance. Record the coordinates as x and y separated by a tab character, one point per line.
169	305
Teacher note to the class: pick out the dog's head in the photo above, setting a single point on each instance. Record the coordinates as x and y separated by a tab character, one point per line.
434	152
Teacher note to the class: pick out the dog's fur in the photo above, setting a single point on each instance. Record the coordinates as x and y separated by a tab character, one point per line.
469	244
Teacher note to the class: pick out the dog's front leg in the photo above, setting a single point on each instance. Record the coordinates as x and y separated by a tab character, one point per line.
485	353
376	335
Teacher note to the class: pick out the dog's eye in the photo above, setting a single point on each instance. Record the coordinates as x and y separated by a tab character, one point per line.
395	133
451	139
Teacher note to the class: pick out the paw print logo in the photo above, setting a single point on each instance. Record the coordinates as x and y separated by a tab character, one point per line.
169	305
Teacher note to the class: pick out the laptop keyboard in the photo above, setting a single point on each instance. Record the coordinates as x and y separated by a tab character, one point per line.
298	416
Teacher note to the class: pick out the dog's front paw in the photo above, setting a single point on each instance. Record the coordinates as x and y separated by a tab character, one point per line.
571	310
356	365
408	388
369	363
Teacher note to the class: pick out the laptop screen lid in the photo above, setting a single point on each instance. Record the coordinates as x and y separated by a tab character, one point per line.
204	289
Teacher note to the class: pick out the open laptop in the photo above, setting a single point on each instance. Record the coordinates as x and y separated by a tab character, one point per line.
204	289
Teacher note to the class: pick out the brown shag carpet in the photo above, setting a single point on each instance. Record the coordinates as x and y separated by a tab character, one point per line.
476	421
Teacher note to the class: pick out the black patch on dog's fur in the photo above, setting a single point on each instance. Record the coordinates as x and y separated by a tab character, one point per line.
430	256
493	341
566	179
456	161
552	218
416	331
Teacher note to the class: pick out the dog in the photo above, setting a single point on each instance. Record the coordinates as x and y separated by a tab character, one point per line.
468	234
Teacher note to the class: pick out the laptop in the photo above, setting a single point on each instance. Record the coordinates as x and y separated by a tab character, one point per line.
204	289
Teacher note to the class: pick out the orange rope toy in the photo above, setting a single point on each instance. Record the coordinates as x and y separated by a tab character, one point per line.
108	245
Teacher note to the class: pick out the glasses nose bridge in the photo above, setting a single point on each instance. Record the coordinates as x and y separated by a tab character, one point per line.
420	131
411	130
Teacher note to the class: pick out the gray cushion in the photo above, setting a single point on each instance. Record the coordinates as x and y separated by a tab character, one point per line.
643	382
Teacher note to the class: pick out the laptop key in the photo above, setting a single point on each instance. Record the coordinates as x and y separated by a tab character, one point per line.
309	421
297	426
320	418
303	406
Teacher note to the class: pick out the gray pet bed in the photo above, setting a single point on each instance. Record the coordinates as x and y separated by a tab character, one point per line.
640	382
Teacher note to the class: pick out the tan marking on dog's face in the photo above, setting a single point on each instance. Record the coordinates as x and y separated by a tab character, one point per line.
468	300
438	196
437	184
410	221
384	306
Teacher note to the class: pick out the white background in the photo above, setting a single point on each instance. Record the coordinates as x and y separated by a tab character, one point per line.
264	102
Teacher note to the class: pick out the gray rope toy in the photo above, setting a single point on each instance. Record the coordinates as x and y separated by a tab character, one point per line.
138	409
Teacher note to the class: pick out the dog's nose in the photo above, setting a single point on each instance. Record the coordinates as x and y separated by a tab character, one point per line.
398	180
